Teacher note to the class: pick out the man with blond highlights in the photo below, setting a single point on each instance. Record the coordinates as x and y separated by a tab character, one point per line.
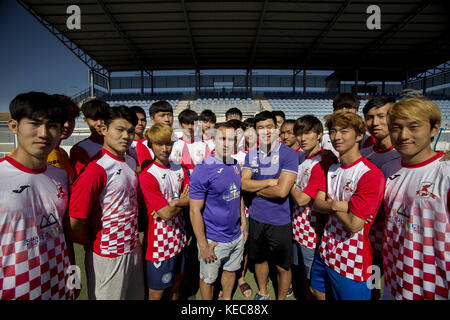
416	243
355	189
165	186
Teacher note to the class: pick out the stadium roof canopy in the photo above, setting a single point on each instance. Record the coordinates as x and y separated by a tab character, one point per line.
118	35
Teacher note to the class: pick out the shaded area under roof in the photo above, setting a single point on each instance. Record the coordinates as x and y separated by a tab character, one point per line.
316	35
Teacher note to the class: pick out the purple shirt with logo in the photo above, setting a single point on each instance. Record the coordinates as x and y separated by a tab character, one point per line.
264	166
219	184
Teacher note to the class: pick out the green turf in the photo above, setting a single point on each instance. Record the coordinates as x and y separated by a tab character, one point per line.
249	277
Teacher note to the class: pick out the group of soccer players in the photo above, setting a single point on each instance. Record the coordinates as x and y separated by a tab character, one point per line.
268	193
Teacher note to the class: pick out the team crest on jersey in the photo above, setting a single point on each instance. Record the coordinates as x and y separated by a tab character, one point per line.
166	277
61	193
348	187
426	190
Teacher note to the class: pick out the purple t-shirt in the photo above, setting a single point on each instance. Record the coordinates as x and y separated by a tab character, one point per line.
264	166
219	185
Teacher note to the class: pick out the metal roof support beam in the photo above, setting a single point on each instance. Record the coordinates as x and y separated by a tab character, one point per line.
86	59
323	35
392	32
189	32
134	50
258	34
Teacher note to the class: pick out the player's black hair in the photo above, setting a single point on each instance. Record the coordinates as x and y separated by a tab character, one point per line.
346	100
159	106
208	115
236	124
377	102
120	112
250	122
307	123
95	109
264	115
226	125
288	121
187	116
70	105
233	111
279	113
138	109
34	105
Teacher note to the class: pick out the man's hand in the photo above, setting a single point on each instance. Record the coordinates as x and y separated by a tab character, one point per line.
369	219
207	252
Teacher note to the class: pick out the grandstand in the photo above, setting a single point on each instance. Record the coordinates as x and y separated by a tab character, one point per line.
278	51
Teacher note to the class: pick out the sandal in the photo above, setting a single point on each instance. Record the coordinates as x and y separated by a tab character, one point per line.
244	288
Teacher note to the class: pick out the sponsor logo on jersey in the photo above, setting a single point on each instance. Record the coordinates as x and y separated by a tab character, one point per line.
333	176
348	187
426	190
220	170
234	193
21	188
47	221
163	176
393	177
402	211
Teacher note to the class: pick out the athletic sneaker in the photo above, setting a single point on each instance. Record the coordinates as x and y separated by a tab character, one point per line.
260	296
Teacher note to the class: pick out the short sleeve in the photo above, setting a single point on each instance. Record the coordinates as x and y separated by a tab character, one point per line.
247	162
317	181
198	184
79	158
86	191
366	199
153	196
289	161
143	155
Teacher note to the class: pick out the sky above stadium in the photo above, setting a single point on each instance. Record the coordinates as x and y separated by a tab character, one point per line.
32	59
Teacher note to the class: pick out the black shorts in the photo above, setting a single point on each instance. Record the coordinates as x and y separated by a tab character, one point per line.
270	243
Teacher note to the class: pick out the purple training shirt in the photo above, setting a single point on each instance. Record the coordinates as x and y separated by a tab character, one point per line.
219	184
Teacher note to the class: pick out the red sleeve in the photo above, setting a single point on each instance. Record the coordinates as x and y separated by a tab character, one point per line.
368	194
317	181
154	199
86	191
143	155
79	158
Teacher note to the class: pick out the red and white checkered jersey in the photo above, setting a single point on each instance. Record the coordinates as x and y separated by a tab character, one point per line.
379	158
106	194
189	154
33	256
311	178
210	143
416	244
240	157
160	185
82	153
362	185
144	153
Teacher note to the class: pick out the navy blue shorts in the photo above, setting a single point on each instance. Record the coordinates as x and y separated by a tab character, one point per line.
160	274
326	280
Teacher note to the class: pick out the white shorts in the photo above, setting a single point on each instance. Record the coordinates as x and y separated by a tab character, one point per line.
229	257
120	278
